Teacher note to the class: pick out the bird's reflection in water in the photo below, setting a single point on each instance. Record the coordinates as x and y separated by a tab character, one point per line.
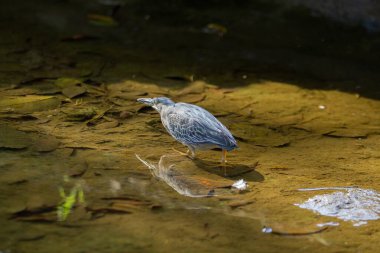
196	178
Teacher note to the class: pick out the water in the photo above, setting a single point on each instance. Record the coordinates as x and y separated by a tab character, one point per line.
303	115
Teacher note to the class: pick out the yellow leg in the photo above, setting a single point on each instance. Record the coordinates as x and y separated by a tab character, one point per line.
190	153
224	156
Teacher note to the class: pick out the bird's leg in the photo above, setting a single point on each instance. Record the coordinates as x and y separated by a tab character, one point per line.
180	152
224	156
191	152
224	161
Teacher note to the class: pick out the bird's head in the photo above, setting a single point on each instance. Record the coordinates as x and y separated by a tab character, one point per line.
157	103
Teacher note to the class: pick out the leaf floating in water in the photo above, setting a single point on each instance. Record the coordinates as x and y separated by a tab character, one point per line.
102	20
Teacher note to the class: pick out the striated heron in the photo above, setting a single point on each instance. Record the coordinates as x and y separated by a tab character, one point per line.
192	125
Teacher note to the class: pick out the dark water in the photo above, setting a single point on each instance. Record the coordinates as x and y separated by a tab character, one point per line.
301	102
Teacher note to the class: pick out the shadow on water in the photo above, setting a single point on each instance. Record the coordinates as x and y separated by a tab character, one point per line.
230	170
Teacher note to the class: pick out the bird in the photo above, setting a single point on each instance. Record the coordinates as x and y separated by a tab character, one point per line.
192	126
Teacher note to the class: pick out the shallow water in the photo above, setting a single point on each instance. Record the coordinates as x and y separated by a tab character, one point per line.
70	130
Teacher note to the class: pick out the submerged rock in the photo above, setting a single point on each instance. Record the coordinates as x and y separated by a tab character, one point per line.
356	205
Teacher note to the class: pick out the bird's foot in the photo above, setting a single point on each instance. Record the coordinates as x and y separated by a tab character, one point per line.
224	157
188	153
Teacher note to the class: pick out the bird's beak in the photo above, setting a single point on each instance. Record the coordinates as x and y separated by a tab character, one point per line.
147	101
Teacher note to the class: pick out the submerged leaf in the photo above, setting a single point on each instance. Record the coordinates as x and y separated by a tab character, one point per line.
102	20
69	201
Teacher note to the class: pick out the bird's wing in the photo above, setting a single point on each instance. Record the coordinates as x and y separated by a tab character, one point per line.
194	125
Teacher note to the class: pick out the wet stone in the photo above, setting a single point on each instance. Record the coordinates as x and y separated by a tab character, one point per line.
29	103
356	205
46	144
79	114
11	138
73	91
